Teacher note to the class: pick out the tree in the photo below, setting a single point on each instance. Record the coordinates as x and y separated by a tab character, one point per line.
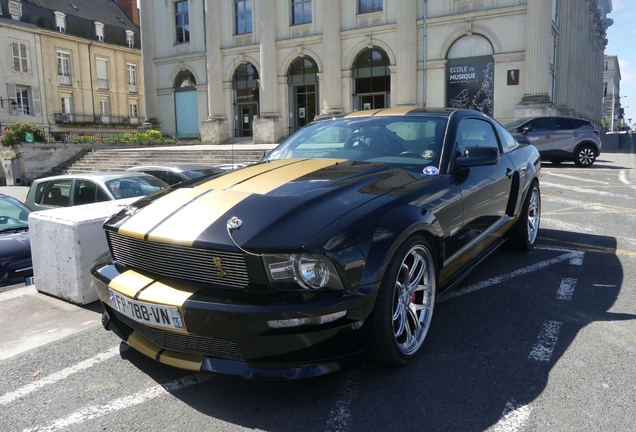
16	134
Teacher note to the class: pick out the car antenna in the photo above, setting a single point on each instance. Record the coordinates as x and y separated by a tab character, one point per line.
235	223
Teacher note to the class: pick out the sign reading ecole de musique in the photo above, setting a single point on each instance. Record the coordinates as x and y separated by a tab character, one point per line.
470	83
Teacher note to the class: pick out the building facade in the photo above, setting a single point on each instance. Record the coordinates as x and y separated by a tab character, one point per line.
262	69
75	66
611	93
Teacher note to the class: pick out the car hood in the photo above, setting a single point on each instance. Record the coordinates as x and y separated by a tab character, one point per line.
281	204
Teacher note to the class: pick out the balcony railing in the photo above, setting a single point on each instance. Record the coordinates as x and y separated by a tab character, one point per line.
65	79
132	88
92	119
102	84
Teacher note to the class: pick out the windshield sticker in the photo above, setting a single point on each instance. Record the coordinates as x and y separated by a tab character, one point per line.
428	154
430	170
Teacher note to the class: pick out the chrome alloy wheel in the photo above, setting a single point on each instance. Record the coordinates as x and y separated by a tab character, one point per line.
534	214
586	156
413	299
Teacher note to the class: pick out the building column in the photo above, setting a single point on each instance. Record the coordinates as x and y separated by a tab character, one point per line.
215	129
268	127
407	53
538	49
148	52
331	92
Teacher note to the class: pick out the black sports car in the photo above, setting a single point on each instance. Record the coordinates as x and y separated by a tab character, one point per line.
336	244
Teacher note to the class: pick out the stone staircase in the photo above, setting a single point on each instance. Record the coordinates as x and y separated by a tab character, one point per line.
119	160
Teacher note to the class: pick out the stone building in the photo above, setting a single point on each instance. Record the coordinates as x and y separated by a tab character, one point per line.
262	69
611	92
73	66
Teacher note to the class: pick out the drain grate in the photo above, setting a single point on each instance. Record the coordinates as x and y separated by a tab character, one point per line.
551	191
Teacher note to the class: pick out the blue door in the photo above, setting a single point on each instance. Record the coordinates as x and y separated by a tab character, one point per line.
187	114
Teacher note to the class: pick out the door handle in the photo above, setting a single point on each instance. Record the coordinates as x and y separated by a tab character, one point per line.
509	172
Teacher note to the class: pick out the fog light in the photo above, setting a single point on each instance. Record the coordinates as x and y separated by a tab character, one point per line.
297	322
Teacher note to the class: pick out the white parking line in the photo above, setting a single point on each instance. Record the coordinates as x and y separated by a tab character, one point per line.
581	179
588	191
546	341
571	255
566	289
140	397
564	226
622	176
57	376
513	418
340	415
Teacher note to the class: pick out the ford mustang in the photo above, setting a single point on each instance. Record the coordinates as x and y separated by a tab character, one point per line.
333	247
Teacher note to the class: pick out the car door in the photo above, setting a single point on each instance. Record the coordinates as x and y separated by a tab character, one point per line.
565	136
539	132
484	190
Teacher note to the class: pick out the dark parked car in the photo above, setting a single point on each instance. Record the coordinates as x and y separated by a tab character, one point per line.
173	173
15	249
560	139
87	188
338	243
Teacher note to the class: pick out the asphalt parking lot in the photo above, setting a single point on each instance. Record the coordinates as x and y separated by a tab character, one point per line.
544	340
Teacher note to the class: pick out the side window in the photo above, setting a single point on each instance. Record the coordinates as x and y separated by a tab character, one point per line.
101	195
540	124
565	124
39	192
174	178
507	141
475	133
57	193
85	192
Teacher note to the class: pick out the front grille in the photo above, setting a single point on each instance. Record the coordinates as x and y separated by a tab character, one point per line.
184	343
189	264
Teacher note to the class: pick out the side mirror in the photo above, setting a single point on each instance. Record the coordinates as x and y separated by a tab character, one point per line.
478	156
526	129
266	154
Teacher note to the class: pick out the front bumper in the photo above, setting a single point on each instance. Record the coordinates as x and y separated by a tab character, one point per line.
230	335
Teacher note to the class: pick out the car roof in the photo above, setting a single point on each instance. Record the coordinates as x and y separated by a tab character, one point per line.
175	166
97	175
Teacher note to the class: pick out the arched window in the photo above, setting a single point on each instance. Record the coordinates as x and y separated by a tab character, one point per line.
302	70
303	86
246	96
184	79
245	77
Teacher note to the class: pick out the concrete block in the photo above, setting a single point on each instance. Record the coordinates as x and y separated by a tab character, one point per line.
65	243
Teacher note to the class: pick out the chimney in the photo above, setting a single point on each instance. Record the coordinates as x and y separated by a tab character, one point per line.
130	7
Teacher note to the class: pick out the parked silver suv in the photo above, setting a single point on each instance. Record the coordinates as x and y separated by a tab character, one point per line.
559	139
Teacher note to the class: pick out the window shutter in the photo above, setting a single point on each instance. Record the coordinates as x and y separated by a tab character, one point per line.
37	105
24	58
15	47
11	92
102	69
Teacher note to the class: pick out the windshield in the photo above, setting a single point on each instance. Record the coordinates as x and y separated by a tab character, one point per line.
203	172
409	142
13	214
134	186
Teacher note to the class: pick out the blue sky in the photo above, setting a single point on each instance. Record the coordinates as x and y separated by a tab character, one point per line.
621	43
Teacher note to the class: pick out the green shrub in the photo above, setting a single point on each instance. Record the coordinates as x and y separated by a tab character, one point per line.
16	134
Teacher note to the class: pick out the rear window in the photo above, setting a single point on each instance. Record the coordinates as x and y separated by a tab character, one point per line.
134	186
57	193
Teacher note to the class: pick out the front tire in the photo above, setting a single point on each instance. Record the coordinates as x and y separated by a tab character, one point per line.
524	233
585	156
403	309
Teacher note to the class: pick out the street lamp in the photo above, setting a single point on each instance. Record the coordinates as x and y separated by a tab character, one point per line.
13	103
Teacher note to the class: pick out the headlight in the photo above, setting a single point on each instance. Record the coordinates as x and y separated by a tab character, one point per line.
310	271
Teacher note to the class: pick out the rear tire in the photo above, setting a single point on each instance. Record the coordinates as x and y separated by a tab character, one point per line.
524	233
403	309
585	156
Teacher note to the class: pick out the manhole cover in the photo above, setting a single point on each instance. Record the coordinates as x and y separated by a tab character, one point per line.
551	192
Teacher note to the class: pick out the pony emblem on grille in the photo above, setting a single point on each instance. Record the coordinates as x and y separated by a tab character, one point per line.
217	263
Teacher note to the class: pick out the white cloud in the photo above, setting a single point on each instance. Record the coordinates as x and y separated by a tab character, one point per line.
617	5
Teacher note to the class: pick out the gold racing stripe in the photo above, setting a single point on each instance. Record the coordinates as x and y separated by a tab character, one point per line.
148	217
230	179
363	113
129	283
185	226
396	111
143	345
165	295
271	180
182	361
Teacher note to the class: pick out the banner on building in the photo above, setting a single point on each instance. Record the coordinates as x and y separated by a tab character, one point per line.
470	83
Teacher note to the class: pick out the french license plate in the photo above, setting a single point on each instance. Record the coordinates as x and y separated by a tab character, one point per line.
147	313
29	281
